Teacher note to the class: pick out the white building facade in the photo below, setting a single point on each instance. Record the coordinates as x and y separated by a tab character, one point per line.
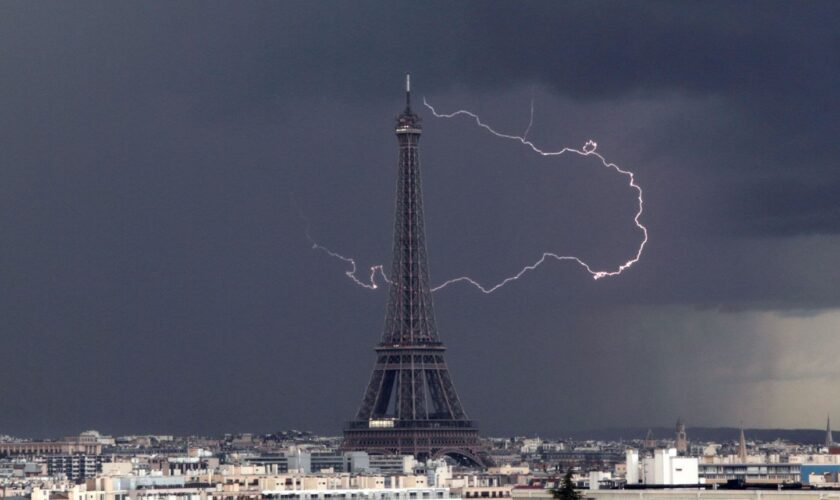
665	467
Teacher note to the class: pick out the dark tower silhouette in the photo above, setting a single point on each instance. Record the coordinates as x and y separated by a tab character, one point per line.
742	446
650	442
681	442
410	405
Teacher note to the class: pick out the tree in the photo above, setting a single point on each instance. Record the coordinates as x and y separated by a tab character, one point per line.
566	491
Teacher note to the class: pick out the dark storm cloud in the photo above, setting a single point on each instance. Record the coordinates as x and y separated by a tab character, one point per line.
749	50
783	208
154	278
775	65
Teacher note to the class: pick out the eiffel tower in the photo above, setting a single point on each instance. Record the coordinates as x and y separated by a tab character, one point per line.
410	406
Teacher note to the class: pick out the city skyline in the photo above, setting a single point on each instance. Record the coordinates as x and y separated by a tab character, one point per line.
156	277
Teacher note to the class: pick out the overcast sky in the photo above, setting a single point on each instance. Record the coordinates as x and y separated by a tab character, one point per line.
155	275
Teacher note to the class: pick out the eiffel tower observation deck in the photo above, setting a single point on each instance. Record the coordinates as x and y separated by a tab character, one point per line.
410	406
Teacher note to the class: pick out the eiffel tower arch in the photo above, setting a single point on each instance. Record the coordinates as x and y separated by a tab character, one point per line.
410	405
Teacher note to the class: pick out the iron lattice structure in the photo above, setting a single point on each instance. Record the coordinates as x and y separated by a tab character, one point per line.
410	405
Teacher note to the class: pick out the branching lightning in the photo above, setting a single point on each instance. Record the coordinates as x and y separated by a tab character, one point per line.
588	149
530	119
350	273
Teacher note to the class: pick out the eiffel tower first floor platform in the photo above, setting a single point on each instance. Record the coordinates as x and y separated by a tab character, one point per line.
424	439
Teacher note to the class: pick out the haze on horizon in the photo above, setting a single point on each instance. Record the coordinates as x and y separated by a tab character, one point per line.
155	277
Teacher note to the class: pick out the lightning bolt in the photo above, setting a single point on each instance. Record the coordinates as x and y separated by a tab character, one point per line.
588	149
530	120
350	273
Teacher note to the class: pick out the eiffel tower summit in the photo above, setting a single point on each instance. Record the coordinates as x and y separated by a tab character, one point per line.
410	405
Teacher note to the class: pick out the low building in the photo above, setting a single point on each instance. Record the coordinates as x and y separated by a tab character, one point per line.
362	494
274	463
76	467
666	468
718	473
67	446
820	474
523	493
392	464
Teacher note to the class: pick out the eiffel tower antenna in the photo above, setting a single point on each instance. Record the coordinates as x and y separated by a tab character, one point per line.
408	92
